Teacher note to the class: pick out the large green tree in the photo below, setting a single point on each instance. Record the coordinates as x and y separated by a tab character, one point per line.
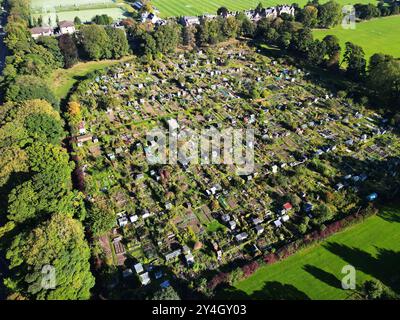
384	79
52	261
354	57
94	41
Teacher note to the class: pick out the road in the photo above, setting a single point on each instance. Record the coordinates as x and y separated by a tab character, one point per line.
3	48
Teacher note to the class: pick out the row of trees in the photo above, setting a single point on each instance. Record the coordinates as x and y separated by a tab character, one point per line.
325	15
382	9
381	75
329	14
42	235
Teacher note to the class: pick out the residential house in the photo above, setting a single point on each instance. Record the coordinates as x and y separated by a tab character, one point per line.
190	21
41	31
67	27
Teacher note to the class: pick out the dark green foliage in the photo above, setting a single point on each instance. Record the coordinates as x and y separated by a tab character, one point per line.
94	41
102	19
100	219
366	11
384	79
43	127
168	293
356	64
29	88
332	51
118	43
329	14
68	49
56	244
52	45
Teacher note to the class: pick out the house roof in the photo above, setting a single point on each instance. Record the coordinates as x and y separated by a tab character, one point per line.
84	138
287	206
66	24
40	30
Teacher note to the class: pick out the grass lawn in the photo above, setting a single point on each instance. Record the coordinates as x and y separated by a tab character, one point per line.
214	226
372	247
374	36
62	80
195	7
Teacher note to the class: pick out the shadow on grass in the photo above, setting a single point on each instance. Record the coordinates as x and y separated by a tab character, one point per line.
323	276
272	290
389	215
384	267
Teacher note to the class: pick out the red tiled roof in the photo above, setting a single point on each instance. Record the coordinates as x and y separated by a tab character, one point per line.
287	206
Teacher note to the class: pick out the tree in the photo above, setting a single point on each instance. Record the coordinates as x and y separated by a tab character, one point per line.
29	88
77	21
356	63
52	45
302	41
68	49
210	31
309	16
148	44
100	219
35	65
57	244
259	9
118	43
168	293
246	26
384	79
329	14
366	11
230	27
23	201
43	127
188	36
95	41
332	50
316	52
223	11
13	160
284	40
102	19
373	289
167	37
323	213
74	111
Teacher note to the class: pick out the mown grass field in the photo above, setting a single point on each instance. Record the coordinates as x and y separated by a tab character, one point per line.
196	7
372	247
62	80
374	36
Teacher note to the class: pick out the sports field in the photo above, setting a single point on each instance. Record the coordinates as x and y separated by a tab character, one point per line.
47	4
372	247
374	36
196	7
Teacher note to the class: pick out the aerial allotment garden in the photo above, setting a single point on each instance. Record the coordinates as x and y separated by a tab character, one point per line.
318	157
